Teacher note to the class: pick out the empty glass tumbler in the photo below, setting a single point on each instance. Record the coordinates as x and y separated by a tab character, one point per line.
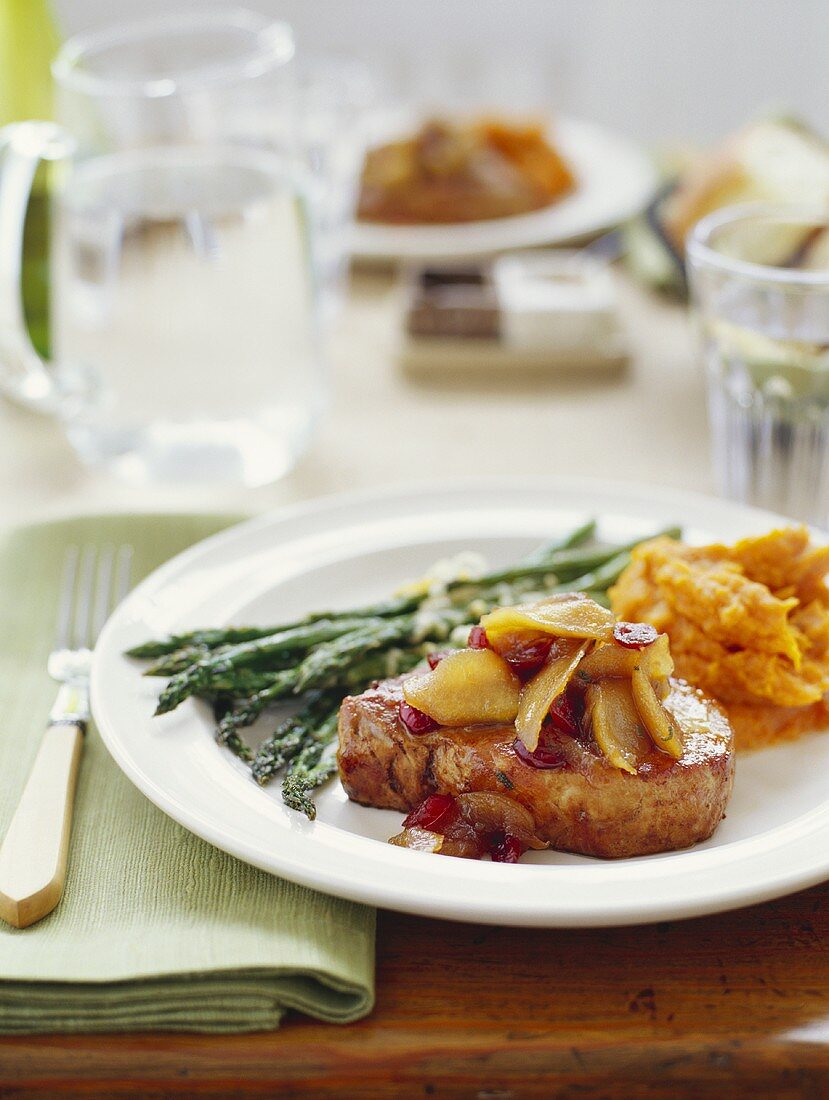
184	294
759	277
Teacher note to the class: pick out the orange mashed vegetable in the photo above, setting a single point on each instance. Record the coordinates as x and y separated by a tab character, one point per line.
749	624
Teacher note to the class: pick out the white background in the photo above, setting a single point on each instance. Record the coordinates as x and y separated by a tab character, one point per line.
658	70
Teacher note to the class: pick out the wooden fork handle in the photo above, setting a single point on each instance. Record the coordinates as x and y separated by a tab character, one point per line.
34	851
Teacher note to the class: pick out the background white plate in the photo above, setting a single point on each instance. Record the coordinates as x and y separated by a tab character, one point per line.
349	550
615	180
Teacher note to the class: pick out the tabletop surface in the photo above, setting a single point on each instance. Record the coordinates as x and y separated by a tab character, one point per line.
729	1005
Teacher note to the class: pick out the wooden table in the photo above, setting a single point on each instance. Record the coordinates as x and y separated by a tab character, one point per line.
725	1006
728	1006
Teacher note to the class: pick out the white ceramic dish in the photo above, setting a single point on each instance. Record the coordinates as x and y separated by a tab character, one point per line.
615	181
348	550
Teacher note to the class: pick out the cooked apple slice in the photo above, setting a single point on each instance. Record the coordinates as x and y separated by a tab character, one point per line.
661	728
419	840
613	661
569	615
617	727
545	687
423	840
467	688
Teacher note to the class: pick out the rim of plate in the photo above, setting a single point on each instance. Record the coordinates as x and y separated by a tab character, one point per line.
673	885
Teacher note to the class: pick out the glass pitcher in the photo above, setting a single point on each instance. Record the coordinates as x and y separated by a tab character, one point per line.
184	296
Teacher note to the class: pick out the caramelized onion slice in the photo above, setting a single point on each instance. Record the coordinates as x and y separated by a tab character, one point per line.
468	687
489	812
662	729
616	725
545	687
569	615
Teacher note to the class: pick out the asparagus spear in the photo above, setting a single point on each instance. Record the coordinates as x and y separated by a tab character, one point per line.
601	578
221	706
565	565
282	685
291	735
569	542
314	764
396	605
235	635
197	677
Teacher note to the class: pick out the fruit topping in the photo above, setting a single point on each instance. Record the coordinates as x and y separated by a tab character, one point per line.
416	721
545	687
658	723
506	849
433	812
635	635
468	687
545	757
615	723
568	615
470	825
564	716
526	656
419	840
488	812
617	662
562	664
434	659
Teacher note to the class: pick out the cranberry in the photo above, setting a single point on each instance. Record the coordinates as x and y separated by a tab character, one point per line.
416	721
635	635
526	657
545	757
505	848
563	716
433	813
478	638
434	659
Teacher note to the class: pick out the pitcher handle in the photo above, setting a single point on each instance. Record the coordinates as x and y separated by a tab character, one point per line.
24	376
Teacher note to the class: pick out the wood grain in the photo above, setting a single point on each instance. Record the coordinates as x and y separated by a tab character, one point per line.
729	1006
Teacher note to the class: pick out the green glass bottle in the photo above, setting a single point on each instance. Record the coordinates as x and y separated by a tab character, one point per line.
28	41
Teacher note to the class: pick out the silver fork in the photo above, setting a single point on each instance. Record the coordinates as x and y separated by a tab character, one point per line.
34	851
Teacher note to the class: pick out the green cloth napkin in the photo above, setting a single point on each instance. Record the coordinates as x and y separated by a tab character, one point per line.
156	929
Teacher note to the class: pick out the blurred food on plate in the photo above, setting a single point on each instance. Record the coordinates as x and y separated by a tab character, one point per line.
459	171
771	160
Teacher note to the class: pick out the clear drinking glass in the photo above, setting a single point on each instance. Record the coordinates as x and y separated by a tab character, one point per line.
759	277
185	301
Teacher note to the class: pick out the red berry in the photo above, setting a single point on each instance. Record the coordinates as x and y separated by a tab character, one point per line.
433	813
434	659
416	721
478	638
505	848
635	635
564	717
526	657
544	757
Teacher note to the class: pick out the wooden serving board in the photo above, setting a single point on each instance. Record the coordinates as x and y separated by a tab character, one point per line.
729	1006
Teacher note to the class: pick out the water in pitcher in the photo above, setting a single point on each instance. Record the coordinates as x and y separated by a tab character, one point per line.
184	326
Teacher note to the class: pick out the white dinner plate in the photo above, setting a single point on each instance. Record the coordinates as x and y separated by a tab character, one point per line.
614	181
347	551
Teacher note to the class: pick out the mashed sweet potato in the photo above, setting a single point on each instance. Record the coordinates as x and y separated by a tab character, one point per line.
749	624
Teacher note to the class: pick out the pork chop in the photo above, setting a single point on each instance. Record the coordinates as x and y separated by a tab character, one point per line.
584	804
